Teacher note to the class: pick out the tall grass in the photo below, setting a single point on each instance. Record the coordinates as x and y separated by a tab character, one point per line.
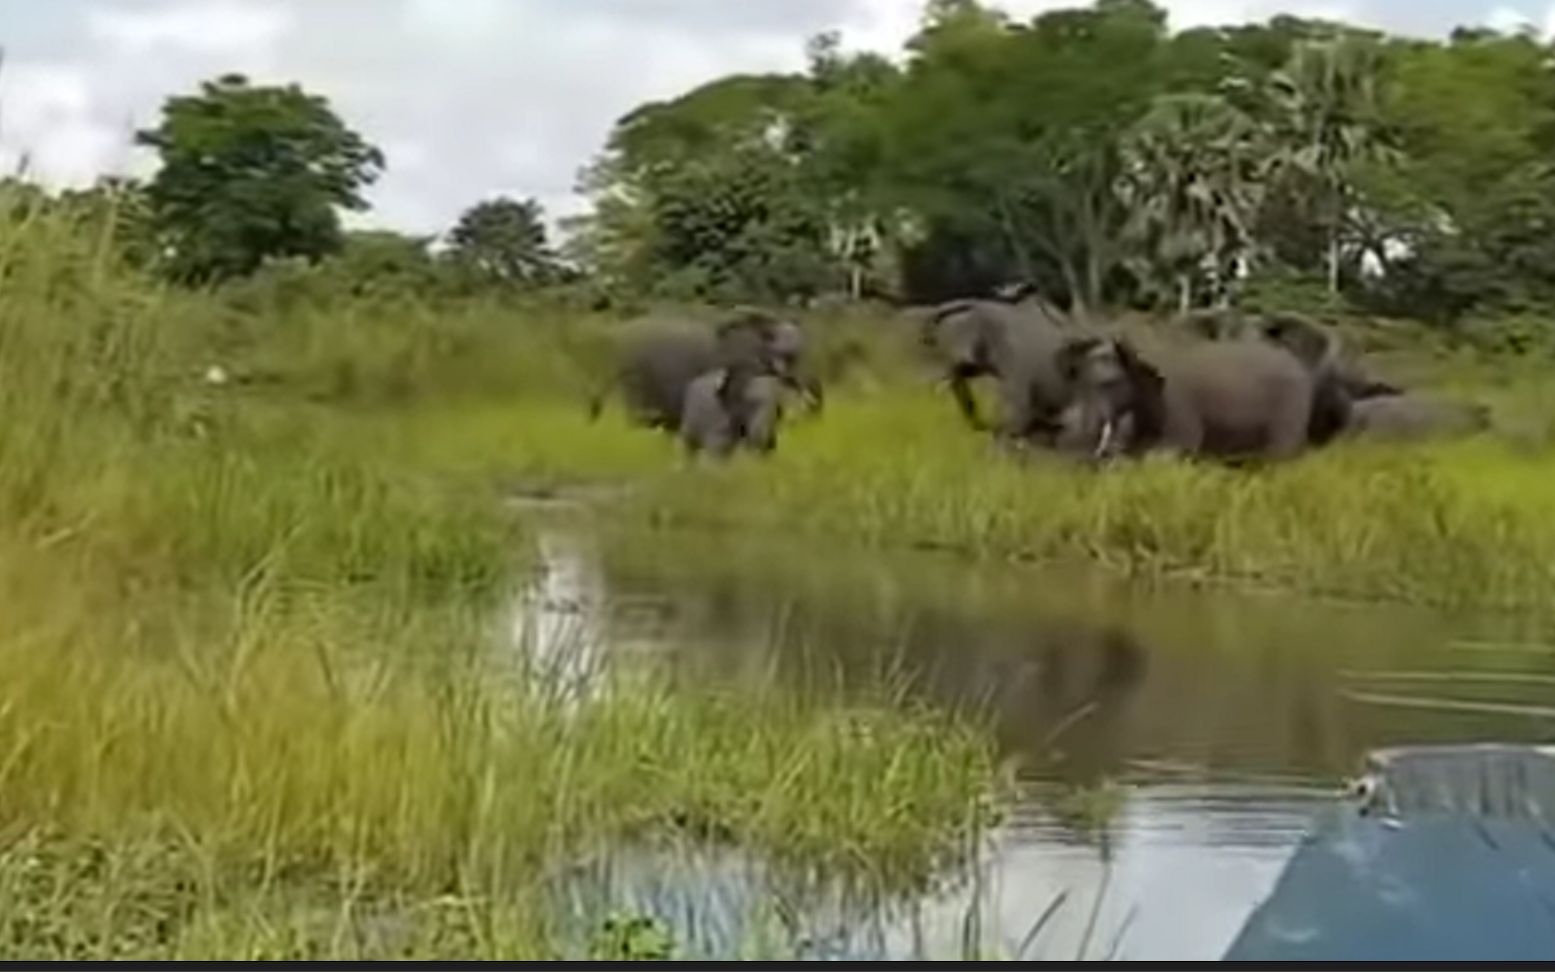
890	464
253	700
252	766
1466	524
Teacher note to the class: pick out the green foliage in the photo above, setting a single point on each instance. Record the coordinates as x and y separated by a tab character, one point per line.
1192	184
252	172
1470	204
703	197
1106	160
1089	151
297	600
503	241
632	938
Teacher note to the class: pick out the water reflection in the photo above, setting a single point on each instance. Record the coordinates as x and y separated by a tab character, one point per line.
558	627
1173	745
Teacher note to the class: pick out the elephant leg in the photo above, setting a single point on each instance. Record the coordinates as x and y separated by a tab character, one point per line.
966	402
601	394
811	394
1290	427
1183	433
1016	413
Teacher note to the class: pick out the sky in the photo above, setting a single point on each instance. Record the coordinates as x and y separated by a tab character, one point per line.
472	99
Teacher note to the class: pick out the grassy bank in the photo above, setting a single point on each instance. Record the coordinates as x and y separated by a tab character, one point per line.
1467	524
889	464
257	697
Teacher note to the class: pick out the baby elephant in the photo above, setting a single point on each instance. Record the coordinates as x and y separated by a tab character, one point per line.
728	407
1414	418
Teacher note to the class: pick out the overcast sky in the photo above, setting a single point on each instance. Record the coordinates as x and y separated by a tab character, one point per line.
474	98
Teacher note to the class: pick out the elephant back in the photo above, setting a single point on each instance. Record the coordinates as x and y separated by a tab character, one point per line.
658	364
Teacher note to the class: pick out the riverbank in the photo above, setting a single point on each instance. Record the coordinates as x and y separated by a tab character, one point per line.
260	703
1466	524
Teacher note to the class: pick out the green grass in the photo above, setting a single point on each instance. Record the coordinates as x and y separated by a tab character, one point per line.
1460	524
245	773
253	701
254	696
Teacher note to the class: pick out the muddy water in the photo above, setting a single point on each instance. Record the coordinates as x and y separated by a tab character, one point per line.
1173	745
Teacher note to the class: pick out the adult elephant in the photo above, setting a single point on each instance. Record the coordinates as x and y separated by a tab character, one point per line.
1015	344
731	407
1415	418
1235	401
1338	381
660	361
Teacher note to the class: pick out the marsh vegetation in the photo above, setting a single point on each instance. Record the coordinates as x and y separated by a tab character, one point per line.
267	502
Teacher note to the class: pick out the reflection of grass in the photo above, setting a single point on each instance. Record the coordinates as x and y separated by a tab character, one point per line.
1088	810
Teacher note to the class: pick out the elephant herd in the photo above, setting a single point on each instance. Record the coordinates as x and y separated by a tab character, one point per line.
1229	387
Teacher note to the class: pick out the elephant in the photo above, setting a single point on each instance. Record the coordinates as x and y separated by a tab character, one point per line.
1338	382
1013	343
729	407
660	362
1234	401
1339	379
1415	418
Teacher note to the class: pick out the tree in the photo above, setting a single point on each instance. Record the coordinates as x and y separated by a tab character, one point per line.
1468	210
253	172
504	240
706	195
1330	126
737	226
840	135
1012	133
1192	184
1100	157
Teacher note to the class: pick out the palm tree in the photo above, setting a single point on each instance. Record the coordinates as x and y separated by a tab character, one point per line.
1192	184
1327	101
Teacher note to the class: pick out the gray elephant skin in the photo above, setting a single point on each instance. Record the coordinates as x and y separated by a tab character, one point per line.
1415	418
1234	401
727	408
1339	380
659	362
1016	345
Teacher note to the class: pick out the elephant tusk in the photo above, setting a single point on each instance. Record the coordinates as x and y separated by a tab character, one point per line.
1106	440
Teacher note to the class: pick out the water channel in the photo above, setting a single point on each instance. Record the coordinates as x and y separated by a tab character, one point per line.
1173	745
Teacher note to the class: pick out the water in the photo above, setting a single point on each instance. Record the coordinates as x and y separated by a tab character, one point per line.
1172	745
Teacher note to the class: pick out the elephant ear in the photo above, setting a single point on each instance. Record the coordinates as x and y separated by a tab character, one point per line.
962	337
1309	341
742	339
1149	394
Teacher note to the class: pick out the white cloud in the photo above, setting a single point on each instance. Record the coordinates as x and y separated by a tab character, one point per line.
201	26
469	98
47	119
1549	23
408	154
459	21
1507	20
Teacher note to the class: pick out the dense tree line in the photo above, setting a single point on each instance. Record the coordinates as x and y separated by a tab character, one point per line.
1090	152
1105	159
